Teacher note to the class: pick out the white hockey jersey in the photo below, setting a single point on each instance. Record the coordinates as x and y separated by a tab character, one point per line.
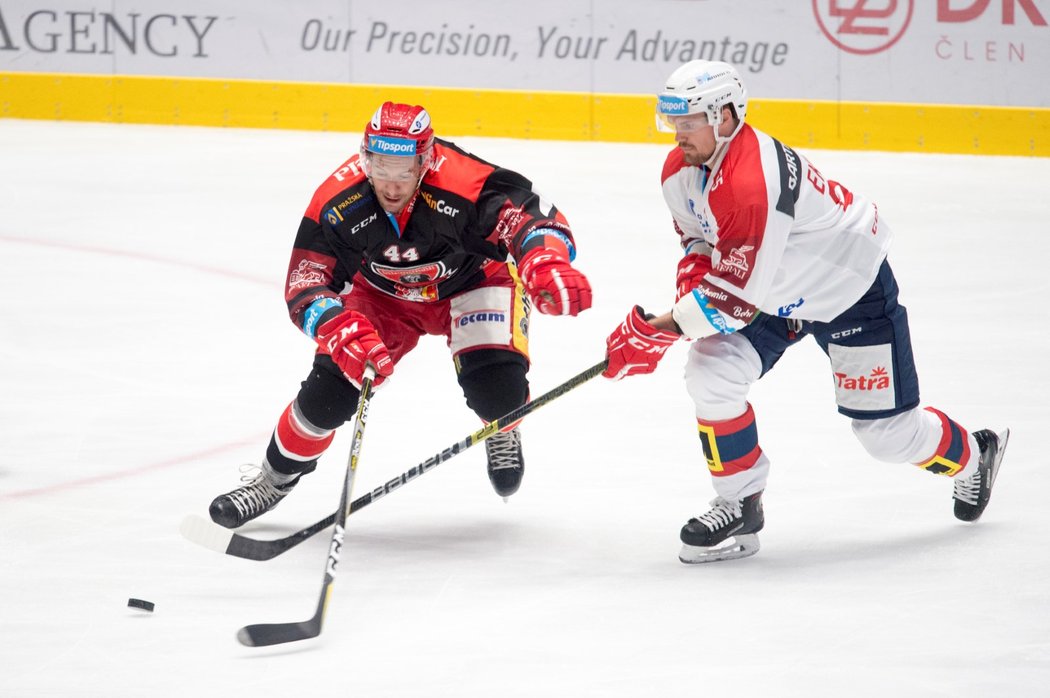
785	240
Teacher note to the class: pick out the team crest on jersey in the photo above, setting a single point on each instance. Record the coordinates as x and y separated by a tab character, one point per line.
414	277
425	294
705	226
510	219
306	274
736	261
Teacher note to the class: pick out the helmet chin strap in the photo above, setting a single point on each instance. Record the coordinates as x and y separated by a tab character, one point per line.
722	143
725	139
424	166
717	153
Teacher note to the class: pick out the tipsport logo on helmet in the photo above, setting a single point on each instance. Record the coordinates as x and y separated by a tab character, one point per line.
673	106
384	145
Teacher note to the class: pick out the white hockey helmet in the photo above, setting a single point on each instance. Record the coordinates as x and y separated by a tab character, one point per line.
702	87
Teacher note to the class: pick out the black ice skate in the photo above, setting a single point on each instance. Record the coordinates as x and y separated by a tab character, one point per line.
260	493
506	462
972	494
726	532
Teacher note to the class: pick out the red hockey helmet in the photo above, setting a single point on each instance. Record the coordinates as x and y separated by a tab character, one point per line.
399	130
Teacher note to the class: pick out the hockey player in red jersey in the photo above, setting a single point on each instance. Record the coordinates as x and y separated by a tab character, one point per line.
408	237
775	250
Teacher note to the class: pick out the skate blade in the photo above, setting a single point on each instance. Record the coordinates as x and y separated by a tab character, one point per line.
1004	438
733	548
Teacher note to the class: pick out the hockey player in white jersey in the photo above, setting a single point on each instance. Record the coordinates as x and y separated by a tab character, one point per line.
774	251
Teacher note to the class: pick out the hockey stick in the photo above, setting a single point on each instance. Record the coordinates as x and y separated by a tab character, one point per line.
211	535
263	634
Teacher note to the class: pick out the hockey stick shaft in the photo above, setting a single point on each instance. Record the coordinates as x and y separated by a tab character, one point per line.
222	540
263	634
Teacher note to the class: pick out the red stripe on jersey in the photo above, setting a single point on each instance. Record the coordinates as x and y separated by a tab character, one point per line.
457	172
675	161
740	204
348	174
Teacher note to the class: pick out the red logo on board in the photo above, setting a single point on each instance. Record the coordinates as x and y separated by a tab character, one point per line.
863	26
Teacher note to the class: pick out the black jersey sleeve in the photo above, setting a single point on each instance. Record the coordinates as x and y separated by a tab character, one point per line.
316	275
517	217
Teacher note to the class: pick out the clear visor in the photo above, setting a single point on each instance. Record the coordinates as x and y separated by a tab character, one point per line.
391	168
680	123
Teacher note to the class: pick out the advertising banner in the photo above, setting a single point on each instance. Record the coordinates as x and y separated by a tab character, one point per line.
985	52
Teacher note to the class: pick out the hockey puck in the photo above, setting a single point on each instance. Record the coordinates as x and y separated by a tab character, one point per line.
139	603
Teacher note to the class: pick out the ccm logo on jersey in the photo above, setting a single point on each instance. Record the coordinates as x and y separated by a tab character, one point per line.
846	333
368	221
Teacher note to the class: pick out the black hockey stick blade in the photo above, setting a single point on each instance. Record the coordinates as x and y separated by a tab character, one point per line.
264	634
210	535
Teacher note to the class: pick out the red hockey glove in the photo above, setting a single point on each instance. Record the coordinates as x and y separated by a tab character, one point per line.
553	285
352	342
691	270
636	347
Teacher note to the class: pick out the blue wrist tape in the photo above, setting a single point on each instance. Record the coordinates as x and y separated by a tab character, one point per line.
556	233
314	313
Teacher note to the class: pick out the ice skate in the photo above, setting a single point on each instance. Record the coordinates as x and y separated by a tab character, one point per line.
726	532
972	494
263	489
506	462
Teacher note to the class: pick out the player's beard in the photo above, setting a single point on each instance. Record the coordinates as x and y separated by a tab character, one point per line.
691	157
694	157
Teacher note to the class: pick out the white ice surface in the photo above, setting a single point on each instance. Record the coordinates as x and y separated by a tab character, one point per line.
145	353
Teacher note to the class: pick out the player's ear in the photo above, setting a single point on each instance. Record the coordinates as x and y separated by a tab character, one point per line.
729	121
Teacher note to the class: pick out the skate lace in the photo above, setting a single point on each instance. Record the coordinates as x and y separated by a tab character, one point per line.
502	450
722	513
969	490
258	494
